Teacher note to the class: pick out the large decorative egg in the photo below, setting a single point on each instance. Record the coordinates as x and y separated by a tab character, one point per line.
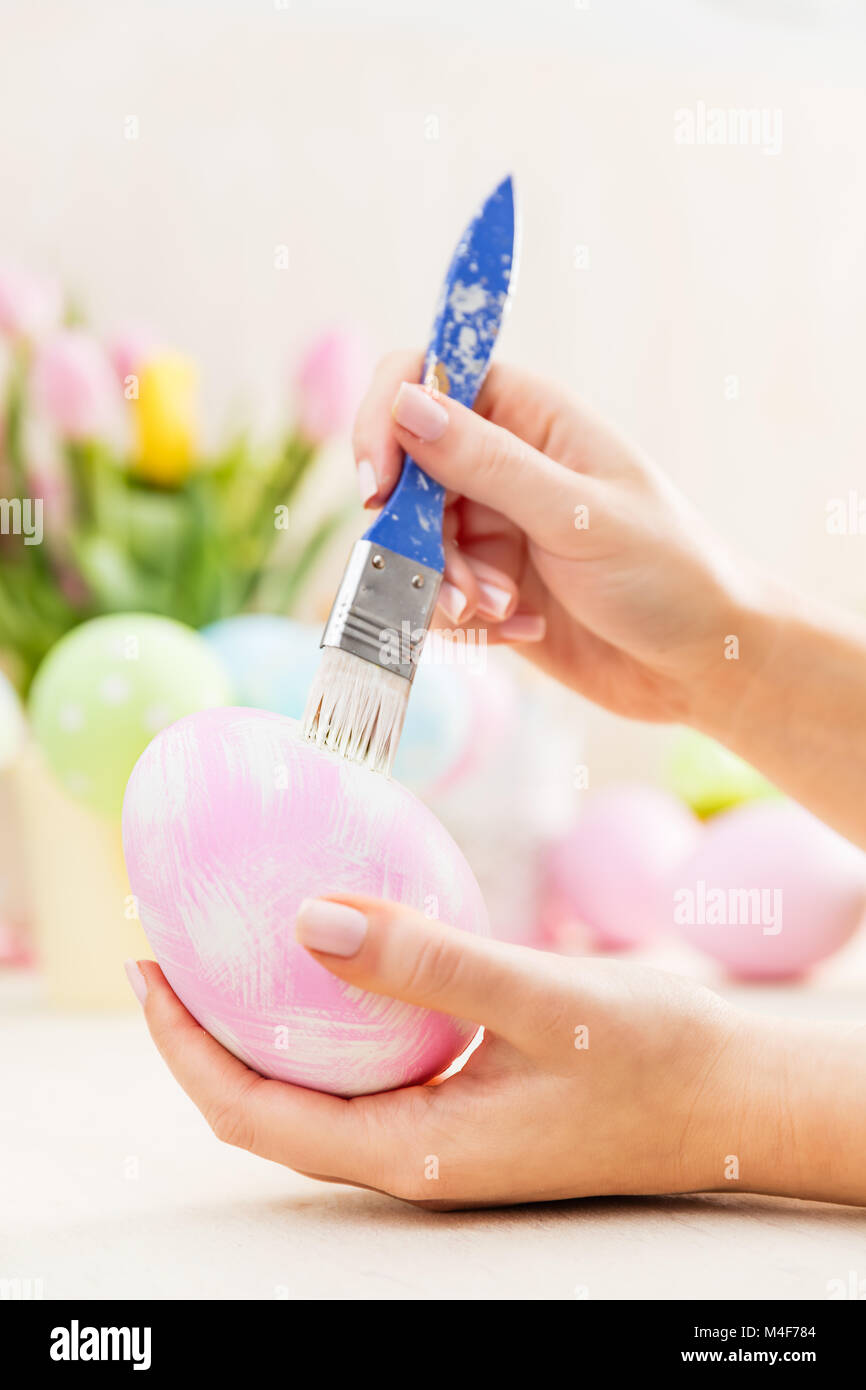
107	687
272	660
231	819
709	778
770	891
610	872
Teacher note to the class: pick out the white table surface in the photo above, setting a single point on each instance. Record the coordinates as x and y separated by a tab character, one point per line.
111	1185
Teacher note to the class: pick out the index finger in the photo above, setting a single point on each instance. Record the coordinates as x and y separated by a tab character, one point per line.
518	401
373	439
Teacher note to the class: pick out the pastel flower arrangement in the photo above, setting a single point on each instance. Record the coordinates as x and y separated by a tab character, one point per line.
109	501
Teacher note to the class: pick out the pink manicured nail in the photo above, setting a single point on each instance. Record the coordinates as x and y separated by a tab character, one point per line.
333	928
368	484
137	980
415	409
452	601
494	601
524	627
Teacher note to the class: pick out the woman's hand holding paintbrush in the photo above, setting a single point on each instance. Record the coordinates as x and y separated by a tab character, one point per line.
563	538
592	546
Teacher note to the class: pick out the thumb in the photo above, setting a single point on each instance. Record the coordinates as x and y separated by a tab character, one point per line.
390	949
472	456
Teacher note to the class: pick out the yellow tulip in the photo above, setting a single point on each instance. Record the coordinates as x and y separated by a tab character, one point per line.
166	418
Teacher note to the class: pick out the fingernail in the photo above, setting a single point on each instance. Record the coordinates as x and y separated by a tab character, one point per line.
368	484
452	601
524	627
495	602
415	409
137	980
334	928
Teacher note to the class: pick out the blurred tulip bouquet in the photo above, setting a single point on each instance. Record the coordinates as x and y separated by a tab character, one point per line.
107	501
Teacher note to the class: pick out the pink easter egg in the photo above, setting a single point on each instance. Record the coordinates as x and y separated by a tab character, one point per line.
230	820
770	891
609	873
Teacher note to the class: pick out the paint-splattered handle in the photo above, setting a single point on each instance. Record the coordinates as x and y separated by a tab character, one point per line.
472	301
411	520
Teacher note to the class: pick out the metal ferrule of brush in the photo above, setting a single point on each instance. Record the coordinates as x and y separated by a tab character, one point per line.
383	608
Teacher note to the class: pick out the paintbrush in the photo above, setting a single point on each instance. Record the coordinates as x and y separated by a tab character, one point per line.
382	612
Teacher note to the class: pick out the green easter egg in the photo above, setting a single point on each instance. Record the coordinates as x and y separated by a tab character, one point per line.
107	688
709	778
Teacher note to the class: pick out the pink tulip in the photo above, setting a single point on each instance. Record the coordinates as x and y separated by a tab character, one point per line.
330	383
30	305
74	384
129	350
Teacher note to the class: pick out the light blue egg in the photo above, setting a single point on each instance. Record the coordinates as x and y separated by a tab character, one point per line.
437	727
271	662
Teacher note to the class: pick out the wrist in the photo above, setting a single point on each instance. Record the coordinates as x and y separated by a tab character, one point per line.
748	626
789	697
785	1114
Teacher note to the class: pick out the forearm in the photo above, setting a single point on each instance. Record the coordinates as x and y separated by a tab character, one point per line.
794	1124
792	702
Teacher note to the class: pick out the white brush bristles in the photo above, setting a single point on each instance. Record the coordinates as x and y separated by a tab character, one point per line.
356	708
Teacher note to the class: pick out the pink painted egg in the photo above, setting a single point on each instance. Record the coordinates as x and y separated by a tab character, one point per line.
230	820
609	874
770	891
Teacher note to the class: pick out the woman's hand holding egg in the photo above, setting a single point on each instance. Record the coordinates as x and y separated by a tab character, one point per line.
594	1077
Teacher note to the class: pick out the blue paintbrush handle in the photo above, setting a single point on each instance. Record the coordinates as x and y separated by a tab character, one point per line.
411	522
468	316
